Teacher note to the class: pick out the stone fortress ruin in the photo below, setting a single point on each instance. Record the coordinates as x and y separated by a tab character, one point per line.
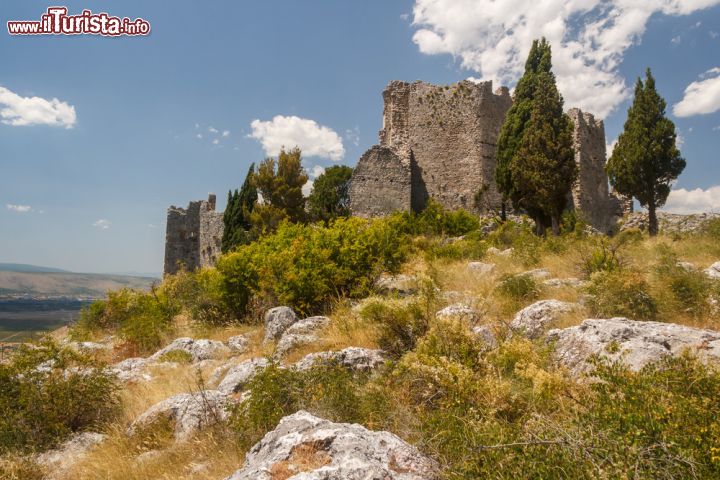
193	236
440	142
437	142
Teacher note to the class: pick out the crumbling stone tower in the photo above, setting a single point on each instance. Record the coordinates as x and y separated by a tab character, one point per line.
193	236
440	142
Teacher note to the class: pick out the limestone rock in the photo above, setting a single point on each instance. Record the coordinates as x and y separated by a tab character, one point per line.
503	253
532	320
713	271
277	320
565	282
687	266
238	343
537	273
203	349
303	332
305	447
671	222
189	411
353	358
460	311
487	335
481	268
239	375
636	343
400	284
88	346
131	370
59	460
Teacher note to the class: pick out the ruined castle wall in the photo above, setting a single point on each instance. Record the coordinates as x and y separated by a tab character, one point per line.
451	132
591	194
381	183
193	236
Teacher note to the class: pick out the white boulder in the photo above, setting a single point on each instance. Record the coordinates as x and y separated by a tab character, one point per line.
481	268
202	349
713	271
353	358
277	320
459	311
532	320
305	447
239	375
238	343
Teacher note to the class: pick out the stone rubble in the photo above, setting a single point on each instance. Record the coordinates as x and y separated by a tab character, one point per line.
671	222
306	447
238	343
202	349
353	358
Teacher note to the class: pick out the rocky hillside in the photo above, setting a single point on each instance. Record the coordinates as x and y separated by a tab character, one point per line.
493	354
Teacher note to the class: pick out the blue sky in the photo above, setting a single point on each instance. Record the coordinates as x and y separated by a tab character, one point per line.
88	192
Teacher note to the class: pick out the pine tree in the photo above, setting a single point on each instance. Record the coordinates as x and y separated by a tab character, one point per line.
646	159
517	117
543	169
330	197
237	213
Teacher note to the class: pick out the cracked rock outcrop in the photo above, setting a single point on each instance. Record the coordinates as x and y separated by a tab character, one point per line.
353	358
306	447
238	376
635	343
277	320
202	349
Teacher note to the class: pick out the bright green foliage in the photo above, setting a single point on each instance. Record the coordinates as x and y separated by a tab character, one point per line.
621	293
690	289
436	220
237	213
306	266
280	184
48	392
330	196
199	294
142	318
519	287
543	168
518	115
177	356
662	422
646	159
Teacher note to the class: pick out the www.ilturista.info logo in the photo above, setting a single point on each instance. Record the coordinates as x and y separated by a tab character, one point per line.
57	22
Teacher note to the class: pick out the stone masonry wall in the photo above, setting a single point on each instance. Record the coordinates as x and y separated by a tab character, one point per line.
381	183
193	236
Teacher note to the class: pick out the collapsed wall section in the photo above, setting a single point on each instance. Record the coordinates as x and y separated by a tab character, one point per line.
381	183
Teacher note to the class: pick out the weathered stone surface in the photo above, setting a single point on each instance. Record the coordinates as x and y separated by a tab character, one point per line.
460	311
537	273
88	346
380	183
671	222
277	320
59	460
713	271
131	370
590	194
534	319
481	268
303	332
635	343
190	412
353	358
565	282
502	253
238	343
487	335
202	349
193	236
239	375
305	447
400	284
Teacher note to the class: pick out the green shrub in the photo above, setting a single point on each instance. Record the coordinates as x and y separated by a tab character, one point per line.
328	390
661	422
142	318
47	393
200	295
712	228
519	287
605	257
689	289
179	356
436	220
401	324
622	293
307	266
470	247
452	339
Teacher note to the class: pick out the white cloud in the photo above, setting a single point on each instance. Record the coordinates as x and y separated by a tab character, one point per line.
18	208
226	133
713	34
314	140
102	224
316	171
675	40
693	201
353	136
212	130
701	97
307	188
609	147
216	141
199	135
589	39
679	140
23	111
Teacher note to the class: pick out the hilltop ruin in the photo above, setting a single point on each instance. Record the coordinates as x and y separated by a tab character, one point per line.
440	142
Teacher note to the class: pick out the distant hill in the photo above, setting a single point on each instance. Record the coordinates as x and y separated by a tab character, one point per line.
60	283
23	267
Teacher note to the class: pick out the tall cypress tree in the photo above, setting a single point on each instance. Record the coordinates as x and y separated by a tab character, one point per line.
543	169
237	213
646	159
517	117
